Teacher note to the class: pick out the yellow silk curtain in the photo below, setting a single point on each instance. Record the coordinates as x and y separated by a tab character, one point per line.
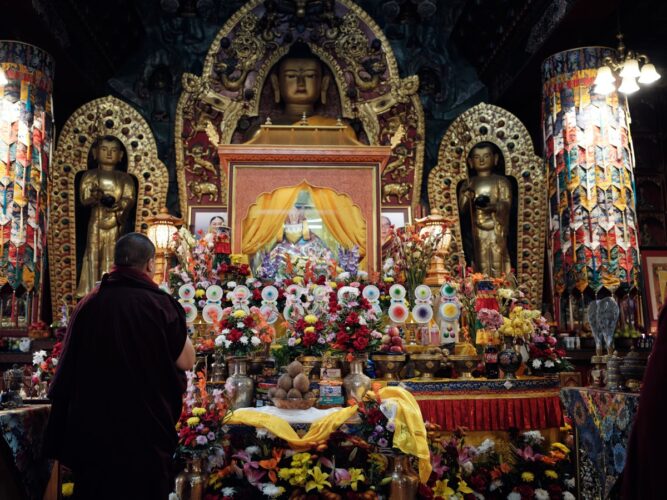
264	224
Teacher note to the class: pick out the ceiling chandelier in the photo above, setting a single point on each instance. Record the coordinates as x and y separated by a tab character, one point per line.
625	65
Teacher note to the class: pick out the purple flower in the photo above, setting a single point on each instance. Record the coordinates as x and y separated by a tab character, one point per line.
201	440
391	427
210	436
379	428
383	443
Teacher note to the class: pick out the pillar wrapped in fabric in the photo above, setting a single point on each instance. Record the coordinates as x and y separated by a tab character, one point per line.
593	241
26	135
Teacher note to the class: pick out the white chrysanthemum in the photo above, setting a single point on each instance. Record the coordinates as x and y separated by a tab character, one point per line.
38	357
271	490
231	284
244	340
255	341
514	496
570	482
467	467
252	450
495	485
568	496
220	340
486	446
548	363
533	437
228	491
541	494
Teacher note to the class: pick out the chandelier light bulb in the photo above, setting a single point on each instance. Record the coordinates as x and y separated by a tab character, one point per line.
630	69
604	76
3	77
604	88
628	86
648	74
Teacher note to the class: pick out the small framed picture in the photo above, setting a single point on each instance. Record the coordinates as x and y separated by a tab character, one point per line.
654	270
399	217
206	219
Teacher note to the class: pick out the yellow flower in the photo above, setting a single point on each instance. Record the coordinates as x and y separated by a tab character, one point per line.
319	480
301	460
356	475
442	489
311	319
200	293
192	421
388	279
527	477
239	313
198	412
561	447
309	329
297	279
67	489
551	473
463	487
333	284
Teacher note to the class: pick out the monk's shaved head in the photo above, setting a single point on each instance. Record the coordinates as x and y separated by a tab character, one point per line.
133	250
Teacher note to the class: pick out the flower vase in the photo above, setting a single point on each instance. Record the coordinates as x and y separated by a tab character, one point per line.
509	360
239	384
191	482
404	480
356	383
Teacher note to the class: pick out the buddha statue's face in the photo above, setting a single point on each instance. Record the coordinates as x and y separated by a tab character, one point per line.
483	159
300	81
108	153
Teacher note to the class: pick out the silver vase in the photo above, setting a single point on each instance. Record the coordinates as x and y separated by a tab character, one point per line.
356	383
240	385
191	482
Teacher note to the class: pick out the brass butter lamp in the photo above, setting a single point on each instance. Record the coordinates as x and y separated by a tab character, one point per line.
161	230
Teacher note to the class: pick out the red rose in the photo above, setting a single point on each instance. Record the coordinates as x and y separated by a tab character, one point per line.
352	319
360	343
234	335
249	321
309	339
526	492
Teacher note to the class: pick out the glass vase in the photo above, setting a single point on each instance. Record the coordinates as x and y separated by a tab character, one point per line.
404	480
191	482
239	384
356	383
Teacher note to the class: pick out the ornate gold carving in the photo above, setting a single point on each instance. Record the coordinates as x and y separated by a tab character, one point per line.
486	122
346	49
199	189
105	116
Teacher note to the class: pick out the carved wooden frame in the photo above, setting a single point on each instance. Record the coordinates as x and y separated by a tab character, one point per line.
104	116
392	92
486	122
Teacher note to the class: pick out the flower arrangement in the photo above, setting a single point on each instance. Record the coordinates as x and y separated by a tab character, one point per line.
521	323
200	424
45	364
240	332
376	427
415	247
544	355
352	322
307	336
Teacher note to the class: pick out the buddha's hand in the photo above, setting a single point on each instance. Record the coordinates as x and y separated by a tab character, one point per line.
482	201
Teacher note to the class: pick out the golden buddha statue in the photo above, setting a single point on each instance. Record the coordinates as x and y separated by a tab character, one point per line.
301	83
487	199
111	194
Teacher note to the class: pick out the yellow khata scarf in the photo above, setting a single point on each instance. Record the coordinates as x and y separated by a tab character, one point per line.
409	436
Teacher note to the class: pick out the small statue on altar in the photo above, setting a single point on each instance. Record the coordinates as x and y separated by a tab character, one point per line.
222	247
486	199
111	195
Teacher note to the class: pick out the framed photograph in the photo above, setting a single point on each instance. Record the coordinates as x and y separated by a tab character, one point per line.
205	218
654	266
303	204
398	217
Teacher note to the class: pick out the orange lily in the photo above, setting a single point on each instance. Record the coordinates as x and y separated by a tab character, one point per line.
272	464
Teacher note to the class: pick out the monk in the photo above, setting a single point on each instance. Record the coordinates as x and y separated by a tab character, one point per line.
117	394
645	463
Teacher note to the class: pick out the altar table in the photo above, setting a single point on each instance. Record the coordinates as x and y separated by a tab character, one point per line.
24	473
527	403
603	421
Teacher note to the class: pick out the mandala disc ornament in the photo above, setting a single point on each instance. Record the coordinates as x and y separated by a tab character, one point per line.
214	293
450	311
270	314
371	293
190	311
241	292
186	292
447	291
270	294
398	312
423	293
422	313
211	312
397	292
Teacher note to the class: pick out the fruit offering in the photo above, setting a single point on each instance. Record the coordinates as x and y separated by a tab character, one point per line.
392	341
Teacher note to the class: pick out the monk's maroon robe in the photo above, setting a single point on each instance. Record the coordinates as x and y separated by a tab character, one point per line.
117	393
646	460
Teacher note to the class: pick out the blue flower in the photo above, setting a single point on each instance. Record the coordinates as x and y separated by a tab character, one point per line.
619	457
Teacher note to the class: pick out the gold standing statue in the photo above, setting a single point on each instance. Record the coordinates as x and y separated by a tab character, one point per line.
111	194
487	199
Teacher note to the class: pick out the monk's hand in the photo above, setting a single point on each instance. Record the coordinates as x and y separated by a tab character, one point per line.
107	200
